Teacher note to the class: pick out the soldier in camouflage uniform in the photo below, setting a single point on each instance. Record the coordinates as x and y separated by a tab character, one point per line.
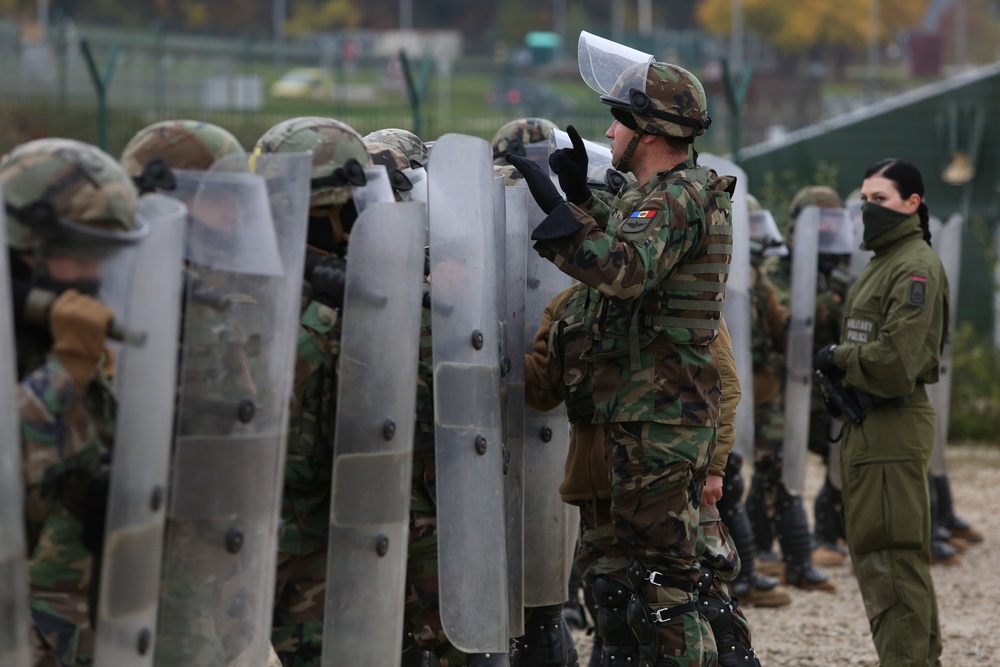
150	158
555	373
771	508
68	204
655	264
339	160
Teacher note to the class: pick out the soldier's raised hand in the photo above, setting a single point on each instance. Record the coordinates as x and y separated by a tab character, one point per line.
541	186
570	165
79	326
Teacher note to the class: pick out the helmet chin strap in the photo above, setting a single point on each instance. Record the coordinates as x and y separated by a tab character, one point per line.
622	163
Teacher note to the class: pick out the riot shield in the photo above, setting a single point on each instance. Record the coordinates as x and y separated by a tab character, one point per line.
145	284
947	242
472	563
549	523
376	190
737	305
236	376
799	349
370	499
15	650
511	228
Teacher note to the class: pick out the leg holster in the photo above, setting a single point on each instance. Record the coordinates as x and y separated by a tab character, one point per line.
618	643
643	621
543	643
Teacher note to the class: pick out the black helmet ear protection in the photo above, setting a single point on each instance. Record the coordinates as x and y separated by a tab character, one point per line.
156	175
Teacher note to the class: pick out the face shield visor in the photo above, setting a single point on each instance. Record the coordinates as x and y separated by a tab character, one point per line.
836	232
764	231
602	64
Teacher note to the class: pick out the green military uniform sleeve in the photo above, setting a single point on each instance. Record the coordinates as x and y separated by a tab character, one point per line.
887	346
646	247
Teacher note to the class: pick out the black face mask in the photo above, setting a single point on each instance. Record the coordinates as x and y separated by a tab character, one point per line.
878	220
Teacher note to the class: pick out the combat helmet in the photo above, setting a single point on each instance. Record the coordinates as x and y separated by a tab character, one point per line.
659	98
395	164
514	136
814	195
155	151
404	141
67	196
339	155
753	204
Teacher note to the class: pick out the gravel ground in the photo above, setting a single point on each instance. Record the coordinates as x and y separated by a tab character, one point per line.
831	629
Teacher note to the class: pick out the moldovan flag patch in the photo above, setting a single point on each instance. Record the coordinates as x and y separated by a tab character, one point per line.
643	214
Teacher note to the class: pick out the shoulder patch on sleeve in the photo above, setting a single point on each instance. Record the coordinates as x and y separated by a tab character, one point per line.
917	294
639	221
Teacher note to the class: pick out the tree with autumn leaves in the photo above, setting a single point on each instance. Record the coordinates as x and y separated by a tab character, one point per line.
831	30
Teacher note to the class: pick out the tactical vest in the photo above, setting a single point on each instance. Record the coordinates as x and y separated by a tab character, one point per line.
686	307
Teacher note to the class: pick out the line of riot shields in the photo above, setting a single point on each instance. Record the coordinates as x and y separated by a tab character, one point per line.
210	302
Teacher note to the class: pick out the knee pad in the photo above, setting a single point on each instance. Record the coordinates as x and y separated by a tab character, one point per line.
643	621
611	598
733	649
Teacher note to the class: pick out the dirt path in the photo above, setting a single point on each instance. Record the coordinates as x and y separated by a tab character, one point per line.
822	629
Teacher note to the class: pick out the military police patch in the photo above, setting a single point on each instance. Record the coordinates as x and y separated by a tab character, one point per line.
638	221
918	291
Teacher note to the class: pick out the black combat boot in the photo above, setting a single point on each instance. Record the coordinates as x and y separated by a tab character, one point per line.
793	534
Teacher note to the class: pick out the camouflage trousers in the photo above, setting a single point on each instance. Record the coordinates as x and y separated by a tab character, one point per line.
209	613
60	575
300	598
657	476
422	611
766	487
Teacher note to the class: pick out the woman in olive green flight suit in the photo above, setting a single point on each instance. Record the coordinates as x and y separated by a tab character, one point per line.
896	321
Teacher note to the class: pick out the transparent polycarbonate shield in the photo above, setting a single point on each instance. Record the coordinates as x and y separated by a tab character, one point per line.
370	498
859	257
547	525
799	348
236	377
602	62
148	278
511	222
836	232
15	650
764	232
946	240
472	563
737	305
418	183
376	190
223	232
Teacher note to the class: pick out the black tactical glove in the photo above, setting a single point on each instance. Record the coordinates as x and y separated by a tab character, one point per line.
570	165
824	361
327	276
541	186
